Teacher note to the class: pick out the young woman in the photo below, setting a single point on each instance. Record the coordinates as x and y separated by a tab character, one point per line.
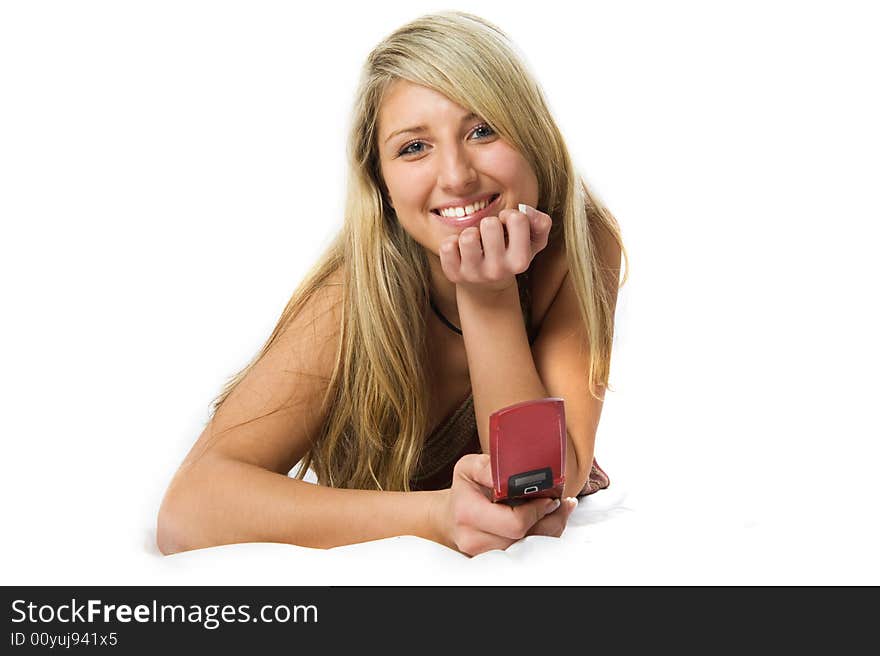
438	303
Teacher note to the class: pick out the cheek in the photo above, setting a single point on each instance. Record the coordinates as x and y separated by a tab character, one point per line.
410	189
508	167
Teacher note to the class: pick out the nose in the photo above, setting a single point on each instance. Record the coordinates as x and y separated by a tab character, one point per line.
456	169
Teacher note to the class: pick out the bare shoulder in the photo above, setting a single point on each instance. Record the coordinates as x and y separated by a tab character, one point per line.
550	266
609	253
274	414
546	273
322	310
313	334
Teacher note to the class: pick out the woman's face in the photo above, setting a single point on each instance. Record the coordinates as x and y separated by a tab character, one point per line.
453	160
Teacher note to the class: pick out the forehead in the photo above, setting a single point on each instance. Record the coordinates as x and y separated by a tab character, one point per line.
407	102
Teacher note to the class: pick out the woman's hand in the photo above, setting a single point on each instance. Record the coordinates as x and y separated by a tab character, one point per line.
478	257
469	522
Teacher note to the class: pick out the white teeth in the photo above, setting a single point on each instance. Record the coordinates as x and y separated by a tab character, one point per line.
467	210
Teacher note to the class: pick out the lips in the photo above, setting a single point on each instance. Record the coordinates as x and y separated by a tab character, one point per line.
471	219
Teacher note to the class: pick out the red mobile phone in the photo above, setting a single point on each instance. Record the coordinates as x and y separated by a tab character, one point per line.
527	443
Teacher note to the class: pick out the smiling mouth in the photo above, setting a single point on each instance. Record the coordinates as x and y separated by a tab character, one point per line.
489	202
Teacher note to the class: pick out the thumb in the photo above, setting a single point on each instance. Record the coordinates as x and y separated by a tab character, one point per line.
551	505
476	468
483	471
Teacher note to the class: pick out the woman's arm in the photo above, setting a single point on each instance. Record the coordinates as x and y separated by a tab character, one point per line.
233	485
220	500
504	369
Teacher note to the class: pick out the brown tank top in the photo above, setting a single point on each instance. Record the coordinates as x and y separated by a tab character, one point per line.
457	435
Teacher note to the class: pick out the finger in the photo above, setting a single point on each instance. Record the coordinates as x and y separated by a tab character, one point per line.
492	236
540	226
553	524
471	254
519	249
450	258
535	510
474	542
515	522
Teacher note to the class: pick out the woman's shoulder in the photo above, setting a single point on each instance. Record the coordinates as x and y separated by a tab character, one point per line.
327	297
313	334
550	266
546	274
332	287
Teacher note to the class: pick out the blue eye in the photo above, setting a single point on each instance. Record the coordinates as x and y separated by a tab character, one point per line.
486	127
406	149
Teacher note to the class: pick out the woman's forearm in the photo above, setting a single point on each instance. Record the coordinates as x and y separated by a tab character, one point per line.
502	368
223	501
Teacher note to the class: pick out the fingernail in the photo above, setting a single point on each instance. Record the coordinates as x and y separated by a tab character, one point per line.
553	506
572	502
540	222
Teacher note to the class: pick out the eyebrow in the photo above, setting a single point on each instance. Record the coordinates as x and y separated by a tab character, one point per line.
422	128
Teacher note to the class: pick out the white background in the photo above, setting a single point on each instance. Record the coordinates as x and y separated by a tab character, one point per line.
169	171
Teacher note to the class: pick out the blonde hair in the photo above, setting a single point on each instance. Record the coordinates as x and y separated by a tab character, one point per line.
376	402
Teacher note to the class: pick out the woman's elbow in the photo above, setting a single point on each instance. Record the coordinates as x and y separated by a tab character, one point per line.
169	534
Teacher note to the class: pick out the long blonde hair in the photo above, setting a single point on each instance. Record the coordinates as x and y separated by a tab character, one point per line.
376	403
